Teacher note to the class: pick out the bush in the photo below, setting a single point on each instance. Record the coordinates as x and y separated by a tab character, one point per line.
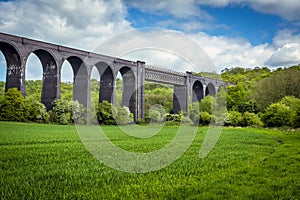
233	118
157	113
207	104
105	113
277	115
36	111
294	104
205	118
109	115
123	116
12	106
251	119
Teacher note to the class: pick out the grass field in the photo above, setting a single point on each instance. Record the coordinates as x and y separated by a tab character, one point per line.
40	161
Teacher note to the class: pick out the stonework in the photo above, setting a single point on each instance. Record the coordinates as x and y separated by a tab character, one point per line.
16	51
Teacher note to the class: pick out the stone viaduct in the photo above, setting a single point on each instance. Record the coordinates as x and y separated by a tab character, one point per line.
16	50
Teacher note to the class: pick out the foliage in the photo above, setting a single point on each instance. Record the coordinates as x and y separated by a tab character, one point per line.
251	119
12	106
194	113
66	112
122	115
207	104
294	104
110	115
36	111
276	86
233	118
205	118
277	115
105	113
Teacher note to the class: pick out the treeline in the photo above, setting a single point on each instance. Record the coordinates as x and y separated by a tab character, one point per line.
257	97
271	96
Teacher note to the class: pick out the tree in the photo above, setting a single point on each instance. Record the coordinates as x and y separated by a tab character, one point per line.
105	113
294	104
12	106
276	86
61	111
277	115
207	104
235	97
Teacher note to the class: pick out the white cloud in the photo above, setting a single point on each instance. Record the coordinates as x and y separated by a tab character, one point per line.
82	24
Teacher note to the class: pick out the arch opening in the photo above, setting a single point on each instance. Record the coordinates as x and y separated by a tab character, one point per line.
2	73
197	91
210	90
66	81
14	70
77	78
106	89
50	80
128	88
33	76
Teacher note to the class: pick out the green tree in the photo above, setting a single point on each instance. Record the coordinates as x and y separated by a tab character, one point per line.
36	111
294	104
233	118
277	115
12	106
61	111
276	86
207	104
106	113
251	119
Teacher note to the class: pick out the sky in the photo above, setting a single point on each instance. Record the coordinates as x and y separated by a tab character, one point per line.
244	33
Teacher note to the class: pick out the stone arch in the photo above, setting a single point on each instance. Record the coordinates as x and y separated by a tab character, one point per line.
106	82
129	88
50	82
14	69
210	90
80	80
197	91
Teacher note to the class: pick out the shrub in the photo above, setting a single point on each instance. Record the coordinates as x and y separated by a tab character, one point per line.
123	116
233	118
12	106
205	118
294	104
251	119
105	113
61	112
207	104
36	111
157	113
277	115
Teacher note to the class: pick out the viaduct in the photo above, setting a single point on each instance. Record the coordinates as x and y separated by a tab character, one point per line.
16	50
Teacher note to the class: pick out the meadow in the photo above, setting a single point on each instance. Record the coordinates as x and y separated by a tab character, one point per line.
42	161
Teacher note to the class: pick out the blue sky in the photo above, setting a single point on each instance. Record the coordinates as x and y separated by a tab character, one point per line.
245	33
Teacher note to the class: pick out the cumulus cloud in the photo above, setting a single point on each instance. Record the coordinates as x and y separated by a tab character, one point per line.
82	24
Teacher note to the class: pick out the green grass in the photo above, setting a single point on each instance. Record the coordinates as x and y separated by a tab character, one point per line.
49	162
